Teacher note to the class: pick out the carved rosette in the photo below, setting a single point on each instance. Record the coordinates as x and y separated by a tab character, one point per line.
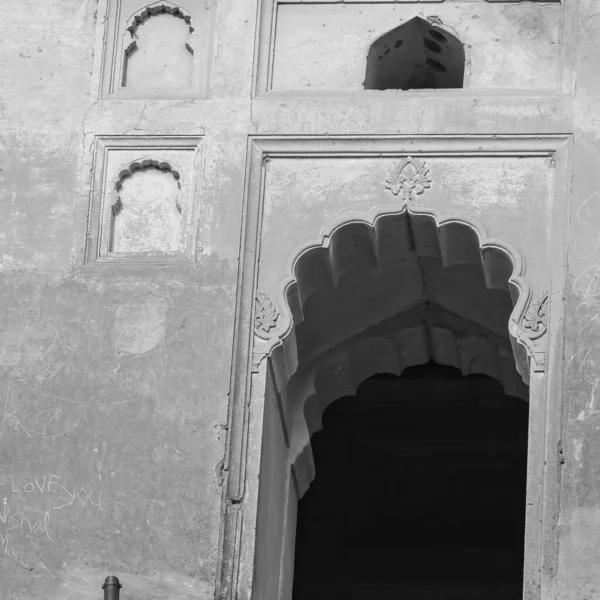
266	315
410	177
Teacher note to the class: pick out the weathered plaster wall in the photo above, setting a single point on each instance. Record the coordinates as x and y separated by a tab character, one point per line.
108	386
45	79
114	378
138	357
580	509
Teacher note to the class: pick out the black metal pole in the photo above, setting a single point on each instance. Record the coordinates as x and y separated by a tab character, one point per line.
111	588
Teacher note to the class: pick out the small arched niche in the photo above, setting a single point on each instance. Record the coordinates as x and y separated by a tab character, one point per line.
160	53
146	209
416	55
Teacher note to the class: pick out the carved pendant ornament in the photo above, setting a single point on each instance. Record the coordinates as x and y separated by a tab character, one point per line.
535	319
266	315
532	328
410	177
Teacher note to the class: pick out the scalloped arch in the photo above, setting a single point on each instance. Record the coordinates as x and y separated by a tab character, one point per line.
142	15
136	166
363	245
149	162
351	251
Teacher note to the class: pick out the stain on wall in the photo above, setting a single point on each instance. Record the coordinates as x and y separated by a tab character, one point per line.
140	326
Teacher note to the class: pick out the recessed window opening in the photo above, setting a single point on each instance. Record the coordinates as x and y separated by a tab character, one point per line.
419	492
416	55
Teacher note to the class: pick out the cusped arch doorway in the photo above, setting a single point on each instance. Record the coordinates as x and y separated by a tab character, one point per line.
406	291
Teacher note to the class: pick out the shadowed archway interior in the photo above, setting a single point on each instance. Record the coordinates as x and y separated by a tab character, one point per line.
419	492
420	475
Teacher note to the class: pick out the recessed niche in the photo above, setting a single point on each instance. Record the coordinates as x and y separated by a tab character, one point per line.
159	54
158	49
146	212
415	55
145	200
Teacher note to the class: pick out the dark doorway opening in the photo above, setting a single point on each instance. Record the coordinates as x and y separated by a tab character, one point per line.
419	492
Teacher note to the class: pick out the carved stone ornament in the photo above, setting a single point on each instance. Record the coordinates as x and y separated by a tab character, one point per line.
535	319
411	177
266	315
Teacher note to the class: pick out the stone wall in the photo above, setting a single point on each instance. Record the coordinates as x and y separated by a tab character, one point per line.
127	361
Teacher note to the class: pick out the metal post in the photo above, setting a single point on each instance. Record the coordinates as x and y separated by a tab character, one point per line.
111	588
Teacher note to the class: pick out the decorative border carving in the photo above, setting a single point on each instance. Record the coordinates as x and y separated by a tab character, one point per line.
104	188
145	163
531	330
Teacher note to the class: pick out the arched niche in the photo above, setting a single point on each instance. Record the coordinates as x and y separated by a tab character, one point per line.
146	209
415	55
379	297
159	48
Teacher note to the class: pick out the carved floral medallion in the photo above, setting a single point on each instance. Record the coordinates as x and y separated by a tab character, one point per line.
410	177
266	315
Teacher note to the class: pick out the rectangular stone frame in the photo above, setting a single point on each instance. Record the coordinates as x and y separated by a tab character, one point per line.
108	43
96	239
250	370
265	47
